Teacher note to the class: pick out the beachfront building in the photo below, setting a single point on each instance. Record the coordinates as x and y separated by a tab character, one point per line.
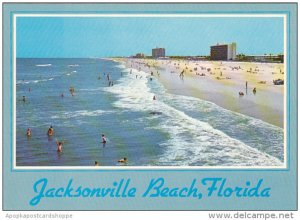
223	52
139	55
158	52
278	58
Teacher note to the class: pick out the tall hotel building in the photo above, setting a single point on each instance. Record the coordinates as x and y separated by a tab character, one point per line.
158	52
223	52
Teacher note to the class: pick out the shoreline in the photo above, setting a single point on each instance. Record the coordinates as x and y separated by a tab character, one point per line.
220	83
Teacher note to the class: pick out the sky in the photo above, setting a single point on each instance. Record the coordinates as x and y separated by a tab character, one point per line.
81	37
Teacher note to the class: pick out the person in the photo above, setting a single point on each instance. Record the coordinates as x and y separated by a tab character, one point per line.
72	90
246	86
254	90
59	145
28	133
62	95
154	98
103	140
96	163
50	131
24	98
123	160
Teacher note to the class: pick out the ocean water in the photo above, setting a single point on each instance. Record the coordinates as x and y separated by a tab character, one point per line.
172	130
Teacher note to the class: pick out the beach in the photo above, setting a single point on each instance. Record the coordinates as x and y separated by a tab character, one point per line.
221	81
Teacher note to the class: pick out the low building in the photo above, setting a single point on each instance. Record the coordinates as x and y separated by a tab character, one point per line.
223	52
139	55
279	58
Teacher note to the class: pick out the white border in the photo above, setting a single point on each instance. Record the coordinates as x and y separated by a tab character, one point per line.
115	168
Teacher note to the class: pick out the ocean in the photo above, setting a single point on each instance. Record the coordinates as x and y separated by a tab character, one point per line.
173	130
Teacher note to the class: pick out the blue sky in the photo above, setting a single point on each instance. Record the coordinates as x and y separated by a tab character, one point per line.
103	37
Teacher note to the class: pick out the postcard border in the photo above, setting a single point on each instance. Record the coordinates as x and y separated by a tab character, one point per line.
295	64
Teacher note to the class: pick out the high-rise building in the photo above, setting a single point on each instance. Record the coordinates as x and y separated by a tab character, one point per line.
158	52
223	52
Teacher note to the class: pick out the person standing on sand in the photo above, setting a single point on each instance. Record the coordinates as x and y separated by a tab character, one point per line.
246	86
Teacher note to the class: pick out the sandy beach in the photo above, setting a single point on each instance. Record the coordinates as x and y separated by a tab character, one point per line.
221	82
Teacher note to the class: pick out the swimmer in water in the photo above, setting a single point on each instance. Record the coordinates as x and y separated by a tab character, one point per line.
72	90
123	160
24	98
50	131
59	145
103	140
28	132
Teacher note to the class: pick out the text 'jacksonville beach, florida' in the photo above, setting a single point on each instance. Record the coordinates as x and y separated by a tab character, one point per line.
157	187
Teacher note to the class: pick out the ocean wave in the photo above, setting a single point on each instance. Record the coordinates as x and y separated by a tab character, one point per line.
263	135
44	65
92	90
73	65
33	81
79	113
198	142
121	66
